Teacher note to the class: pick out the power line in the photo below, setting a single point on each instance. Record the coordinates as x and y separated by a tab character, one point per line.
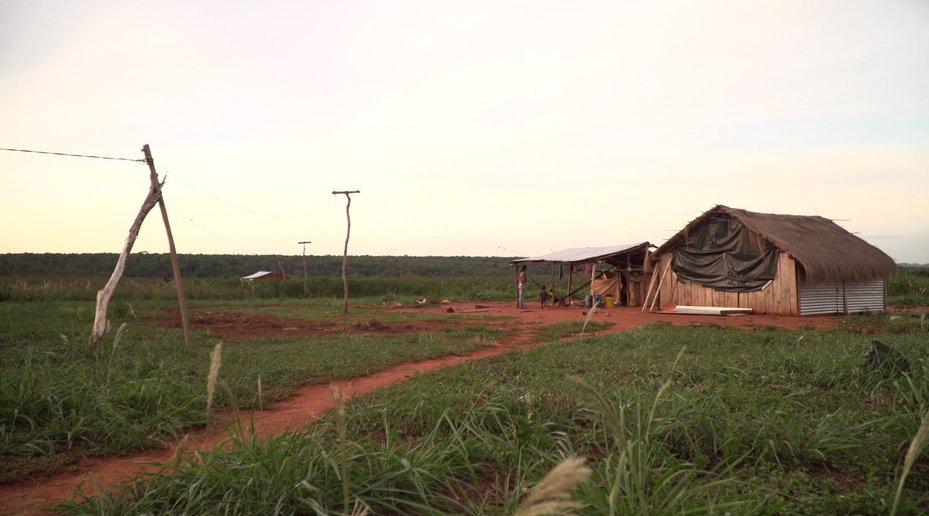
236	206
73	155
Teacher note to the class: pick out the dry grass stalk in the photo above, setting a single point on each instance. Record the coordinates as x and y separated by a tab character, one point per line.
360	508
916	447
551	495
119	334
179	453
216	360
590	314
343	452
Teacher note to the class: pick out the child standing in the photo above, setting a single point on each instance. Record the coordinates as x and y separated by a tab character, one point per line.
543	296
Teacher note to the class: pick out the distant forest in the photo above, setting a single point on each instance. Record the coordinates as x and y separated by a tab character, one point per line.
145	265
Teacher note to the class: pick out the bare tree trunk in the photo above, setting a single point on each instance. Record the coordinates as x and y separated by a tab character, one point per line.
104	295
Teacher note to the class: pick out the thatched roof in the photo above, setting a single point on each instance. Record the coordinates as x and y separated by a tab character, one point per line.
824	250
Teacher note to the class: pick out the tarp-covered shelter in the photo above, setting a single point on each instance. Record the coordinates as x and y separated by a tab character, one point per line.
774	264
623	280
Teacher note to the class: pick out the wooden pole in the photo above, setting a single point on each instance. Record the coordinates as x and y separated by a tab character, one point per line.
175	265
103	296
304	264
648	292
348	232
570	283
658	288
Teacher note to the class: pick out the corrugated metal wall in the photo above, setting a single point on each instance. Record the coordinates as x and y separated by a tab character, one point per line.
866	296
825	298
830	298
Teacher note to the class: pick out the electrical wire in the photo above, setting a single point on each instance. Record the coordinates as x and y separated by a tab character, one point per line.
236	206
203	228
73	155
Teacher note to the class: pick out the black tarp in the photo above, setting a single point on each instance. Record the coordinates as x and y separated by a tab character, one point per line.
723	255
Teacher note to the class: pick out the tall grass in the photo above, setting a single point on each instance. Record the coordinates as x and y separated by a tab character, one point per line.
910	286
755	422
58	400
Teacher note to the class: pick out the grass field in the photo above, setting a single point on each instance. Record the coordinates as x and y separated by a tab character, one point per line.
668	419
58	399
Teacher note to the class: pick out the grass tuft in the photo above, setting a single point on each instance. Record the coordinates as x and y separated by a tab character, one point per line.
551	495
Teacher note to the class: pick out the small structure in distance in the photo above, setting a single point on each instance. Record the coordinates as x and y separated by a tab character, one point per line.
264	275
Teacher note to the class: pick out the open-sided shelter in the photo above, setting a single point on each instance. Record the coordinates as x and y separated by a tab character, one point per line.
773	264
623	279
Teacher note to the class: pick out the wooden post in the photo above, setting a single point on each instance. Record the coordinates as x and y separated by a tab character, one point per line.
175	265
552	286
658	288
103	296
348	231
304	264
648	292
567	299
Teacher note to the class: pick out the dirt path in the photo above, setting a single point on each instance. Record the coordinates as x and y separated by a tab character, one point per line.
35	494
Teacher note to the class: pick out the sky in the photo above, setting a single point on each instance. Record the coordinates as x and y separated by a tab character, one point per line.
477	128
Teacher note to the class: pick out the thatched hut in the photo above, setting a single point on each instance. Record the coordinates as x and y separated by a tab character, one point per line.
773	264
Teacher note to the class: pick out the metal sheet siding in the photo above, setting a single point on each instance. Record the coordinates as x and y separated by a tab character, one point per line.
830	298
866	296
825	298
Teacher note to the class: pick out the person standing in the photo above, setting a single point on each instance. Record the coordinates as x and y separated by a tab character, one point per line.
521	287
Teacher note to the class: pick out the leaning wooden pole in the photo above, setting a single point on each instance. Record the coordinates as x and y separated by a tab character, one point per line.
103	296
175	264
348	232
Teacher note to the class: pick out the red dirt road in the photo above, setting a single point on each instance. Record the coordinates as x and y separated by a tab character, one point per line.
36	494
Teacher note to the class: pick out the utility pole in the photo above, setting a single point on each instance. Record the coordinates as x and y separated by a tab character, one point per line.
348	232
154	197
303	243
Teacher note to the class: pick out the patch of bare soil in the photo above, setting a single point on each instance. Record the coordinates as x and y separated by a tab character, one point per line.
35	494
234	325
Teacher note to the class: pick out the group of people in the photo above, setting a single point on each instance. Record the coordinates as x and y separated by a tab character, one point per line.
544	295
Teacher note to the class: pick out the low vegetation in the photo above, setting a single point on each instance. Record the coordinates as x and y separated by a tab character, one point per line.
669	420
666	419
910	286
144	385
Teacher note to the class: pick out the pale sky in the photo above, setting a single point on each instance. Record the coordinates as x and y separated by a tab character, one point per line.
471	128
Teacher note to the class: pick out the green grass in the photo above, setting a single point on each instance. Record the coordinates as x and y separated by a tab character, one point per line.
910	286
747	422
57	398
366	290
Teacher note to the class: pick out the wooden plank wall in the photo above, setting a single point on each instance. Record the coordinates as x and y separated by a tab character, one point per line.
780	297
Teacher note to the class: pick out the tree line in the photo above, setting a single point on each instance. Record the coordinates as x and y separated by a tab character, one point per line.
158	265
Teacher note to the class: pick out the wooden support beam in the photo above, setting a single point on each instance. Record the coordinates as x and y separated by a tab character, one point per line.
175	264
106	293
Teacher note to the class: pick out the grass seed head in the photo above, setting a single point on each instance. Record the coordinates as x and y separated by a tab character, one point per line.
216	360
551	495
